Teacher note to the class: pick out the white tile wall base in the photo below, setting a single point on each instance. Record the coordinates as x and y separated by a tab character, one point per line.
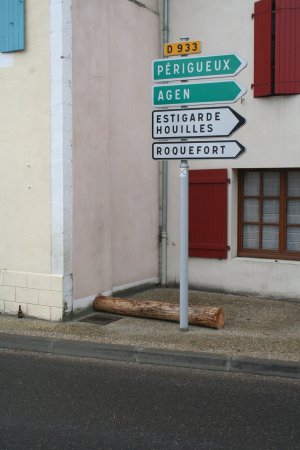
40	295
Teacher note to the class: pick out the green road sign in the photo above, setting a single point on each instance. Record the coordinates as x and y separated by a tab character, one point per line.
197	67
227	91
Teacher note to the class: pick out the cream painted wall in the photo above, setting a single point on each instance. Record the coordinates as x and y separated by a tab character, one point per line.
271	137
25	224
116	221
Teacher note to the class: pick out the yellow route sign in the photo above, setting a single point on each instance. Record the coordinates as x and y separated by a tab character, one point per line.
182	48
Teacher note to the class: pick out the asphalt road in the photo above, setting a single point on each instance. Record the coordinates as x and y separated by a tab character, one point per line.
65	403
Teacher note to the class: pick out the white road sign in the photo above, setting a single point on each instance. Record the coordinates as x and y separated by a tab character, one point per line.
190	123
197	150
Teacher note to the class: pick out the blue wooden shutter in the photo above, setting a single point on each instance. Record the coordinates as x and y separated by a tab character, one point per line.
208	213
11	25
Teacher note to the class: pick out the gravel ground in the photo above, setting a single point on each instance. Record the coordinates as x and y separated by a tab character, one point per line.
263	328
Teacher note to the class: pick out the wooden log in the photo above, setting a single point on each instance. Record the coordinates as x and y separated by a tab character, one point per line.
212	317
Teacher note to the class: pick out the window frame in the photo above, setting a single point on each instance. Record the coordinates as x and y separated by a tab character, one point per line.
282	253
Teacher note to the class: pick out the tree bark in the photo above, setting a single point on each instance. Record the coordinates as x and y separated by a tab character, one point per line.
212	317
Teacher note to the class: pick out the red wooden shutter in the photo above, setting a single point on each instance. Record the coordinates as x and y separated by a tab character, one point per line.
262	48
287	47
208	213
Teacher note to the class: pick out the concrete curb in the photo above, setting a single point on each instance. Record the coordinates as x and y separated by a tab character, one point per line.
141	355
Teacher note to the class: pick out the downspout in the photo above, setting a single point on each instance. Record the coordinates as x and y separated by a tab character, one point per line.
164	192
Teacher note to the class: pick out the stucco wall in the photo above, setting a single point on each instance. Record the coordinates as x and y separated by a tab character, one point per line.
26	278
271	137
115	230
25	225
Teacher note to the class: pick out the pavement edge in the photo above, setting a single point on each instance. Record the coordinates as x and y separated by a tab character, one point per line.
142	355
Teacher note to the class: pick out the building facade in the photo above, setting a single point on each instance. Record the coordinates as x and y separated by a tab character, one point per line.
79	193
244	213
85	209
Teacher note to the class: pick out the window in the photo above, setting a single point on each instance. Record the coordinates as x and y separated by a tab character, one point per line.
269	213
208	213
11	25
276	47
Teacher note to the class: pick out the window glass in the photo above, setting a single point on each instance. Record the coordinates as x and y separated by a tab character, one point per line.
293	239
293	184
251	184
293	211
270	237
271	183
271	211
251	236
251	210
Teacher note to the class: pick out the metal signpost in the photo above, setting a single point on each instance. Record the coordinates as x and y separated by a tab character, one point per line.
187	123
184	246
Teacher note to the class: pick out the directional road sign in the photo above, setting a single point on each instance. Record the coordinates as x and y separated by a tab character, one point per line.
197	67
227	91
197	150
190	123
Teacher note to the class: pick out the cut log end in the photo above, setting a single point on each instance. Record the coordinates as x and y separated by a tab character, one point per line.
212	317
220	319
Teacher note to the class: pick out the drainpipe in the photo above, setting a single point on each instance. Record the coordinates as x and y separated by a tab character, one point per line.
164	193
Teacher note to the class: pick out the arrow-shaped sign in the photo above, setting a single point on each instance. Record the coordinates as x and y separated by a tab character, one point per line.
190	123
227	91
197	67
197	150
